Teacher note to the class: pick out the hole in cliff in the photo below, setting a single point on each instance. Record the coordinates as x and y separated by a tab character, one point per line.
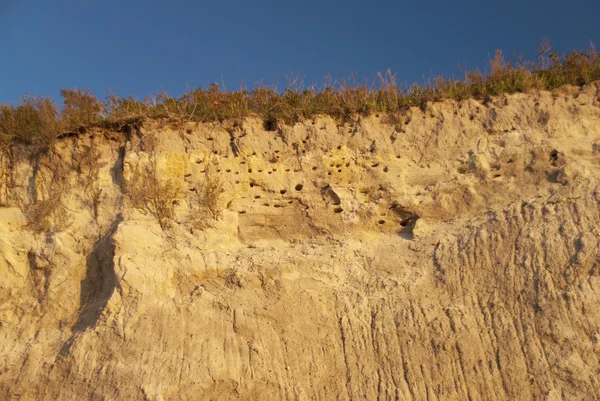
242	212
287	170
408	220
385	169
338	210
374	164
276	151
243	162
237	182
266	204
256	196
328	192
210	139
339	147
260	171
198	161
339	170
277	205
249	170
251	185
228	170
299	187
270	172
290	201
381	222
314	168
552	176
270	124
283	191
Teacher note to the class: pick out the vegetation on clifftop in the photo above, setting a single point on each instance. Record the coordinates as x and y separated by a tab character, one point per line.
37	121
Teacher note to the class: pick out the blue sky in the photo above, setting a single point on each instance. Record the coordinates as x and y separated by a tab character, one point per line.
140	47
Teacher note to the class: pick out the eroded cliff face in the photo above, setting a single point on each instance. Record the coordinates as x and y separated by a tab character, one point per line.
450	255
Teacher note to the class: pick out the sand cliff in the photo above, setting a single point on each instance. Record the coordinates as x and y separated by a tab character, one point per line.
449	253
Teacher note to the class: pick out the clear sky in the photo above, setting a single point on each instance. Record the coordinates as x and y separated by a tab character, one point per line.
142	46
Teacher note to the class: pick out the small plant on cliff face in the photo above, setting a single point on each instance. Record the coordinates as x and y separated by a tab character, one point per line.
46	211
149	193
205	202
46	215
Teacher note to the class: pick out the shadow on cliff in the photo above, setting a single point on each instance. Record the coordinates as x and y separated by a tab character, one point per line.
97	286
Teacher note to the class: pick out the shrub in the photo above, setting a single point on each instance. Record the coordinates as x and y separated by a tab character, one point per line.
81	108
123	108
34	121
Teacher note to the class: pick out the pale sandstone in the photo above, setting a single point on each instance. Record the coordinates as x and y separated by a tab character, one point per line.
454	257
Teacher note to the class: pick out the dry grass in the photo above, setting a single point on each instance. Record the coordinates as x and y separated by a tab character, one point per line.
46	215
85	161
36	121
158	197
205	203
46	212
149	193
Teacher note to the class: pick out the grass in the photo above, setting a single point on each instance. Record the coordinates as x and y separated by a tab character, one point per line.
37	121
